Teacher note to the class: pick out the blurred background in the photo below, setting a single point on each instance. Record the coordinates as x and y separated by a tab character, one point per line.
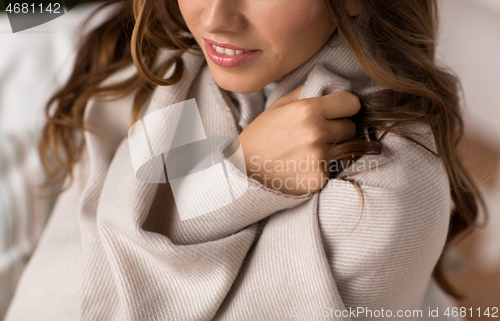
470	44
35	61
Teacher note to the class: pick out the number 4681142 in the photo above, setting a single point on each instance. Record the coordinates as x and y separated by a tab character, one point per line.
464	312
32	8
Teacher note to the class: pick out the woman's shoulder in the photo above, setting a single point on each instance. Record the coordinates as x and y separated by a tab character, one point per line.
392	226
402	162
405	180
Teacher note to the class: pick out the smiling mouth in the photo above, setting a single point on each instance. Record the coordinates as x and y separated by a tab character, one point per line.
227	51
229	55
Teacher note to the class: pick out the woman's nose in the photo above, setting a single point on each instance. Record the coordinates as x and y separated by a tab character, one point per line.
222	16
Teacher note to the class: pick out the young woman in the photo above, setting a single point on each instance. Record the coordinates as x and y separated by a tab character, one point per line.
351	84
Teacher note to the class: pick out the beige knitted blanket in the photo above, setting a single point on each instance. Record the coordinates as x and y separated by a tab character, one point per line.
116	249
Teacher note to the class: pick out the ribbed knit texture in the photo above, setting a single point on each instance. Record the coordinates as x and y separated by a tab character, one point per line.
23	212
115	248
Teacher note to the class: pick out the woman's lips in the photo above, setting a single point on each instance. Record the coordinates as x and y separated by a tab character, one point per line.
227	55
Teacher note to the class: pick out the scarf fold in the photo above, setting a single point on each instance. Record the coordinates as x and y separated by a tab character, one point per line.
142	261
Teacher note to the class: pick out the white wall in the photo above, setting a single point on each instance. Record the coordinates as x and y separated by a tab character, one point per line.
32	63
492	4
470	44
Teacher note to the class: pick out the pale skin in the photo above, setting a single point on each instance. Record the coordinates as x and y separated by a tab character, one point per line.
290	129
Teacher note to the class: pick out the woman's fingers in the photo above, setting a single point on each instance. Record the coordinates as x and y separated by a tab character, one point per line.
288	98
339	130
338	105
327	114
297	131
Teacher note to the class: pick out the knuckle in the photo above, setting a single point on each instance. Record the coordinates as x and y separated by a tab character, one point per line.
349	128
343	130
351	100
314	135
305	109
319	153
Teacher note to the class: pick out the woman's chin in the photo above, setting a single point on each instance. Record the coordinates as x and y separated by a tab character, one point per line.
241	87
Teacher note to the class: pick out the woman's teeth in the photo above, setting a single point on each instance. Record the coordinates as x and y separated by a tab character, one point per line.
229	52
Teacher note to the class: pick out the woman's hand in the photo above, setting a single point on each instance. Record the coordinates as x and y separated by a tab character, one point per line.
286	145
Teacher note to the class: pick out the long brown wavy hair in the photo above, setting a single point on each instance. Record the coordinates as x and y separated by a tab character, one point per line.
393	40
